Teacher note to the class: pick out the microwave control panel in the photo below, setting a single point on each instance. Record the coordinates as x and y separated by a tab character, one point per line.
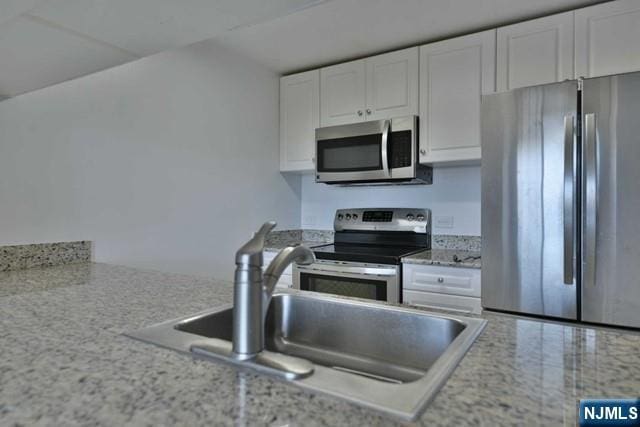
400	149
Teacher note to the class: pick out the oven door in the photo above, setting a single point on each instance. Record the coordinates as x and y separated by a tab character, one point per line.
378	150
369	281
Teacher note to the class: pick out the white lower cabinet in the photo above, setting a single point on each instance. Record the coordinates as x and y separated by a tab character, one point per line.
442	301
448	288
286	280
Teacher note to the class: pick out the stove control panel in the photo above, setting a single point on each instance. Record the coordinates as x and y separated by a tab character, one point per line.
383	219
377	216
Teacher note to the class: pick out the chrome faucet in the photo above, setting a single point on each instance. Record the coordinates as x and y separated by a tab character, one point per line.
252	290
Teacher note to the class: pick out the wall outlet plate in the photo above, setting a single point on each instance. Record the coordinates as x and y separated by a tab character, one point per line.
443	222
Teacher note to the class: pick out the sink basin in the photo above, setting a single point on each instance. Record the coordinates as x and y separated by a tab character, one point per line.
388	358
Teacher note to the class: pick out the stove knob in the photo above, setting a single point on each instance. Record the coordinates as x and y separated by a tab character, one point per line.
340	217
420	217
355	216
347	217
410	217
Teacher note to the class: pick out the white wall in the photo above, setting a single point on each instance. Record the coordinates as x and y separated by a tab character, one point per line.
168	163
455	193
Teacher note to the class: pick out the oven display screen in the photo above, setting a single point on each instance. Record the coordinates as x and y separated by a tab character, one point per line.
377	216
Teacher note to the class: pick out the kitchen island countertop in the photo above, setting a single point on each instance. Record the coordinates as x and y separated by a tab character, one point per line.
65	362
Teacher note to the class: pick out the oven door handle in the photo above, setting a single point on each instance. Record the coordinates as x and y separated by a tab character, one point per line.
363	271
384	148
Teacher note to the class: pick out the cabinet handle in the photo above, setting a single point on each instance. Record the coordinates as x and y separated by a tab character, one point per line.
440	279
360	112
368	111
423	151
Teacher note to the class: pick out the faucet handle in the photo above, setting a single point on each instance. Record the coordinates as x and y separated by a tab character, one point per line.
251	252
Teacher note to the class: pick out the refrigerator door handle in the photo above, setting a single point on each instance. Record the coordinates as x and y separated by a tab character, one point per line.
591	196
569	200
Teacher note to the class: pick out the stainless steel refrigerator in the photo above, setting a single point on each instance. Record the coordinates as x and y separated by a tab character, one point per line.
561	200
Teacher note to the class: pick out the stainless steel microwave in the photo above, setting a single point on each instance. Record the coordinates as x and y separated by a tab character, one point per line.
374	152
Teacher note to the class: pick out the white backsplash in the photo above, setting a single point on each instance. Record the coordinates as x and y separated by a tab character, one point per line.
454	200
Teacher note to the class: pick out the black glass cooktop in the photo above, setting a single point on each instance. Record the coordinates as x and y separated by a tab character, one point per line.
364	253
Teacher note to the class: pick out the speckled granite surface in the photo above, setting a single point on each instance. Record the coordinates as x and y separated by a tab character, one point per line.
446	257
466	243
64	362
18	257
324	236
280	239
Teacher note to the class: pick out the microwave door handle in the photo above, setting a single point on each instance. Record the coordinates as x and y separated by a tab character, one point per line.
384	148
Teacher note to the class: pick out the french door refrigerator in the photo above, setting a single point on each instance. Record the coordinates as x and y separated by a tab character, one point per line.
561	200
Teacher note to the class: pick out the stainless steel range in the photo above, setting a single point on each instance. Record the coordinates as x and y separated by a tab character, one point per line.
365	259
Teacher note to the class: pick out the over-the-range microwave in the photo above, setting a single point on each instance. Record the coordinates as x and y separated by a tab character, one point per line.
373	152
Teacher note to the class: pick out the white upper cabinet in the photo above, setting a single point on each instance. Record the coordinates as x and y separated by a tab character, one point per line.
535	52
299	118
375	88
453	76
342	93
608	38
444	81
392	85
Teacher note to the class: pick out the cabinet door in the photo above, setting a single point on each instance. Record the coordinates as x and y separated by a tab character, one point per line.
453	76
392	84
299	118
342	93
443	280
535	52
608	38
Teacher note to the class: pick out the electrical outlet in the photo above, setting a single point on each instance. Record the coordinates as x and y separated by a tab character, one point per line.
443	222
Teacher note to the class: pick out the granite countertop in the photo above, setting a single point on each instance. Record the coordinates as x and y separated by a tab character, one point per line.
277	246
280	239
64	361
446	257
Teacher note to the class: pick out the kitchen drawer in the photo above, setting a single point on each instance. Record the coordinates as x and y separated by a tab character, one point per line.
442	301
445	280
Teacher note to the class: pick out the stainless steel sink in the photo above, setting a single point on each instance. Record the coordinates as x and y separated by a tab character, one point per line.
392	359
